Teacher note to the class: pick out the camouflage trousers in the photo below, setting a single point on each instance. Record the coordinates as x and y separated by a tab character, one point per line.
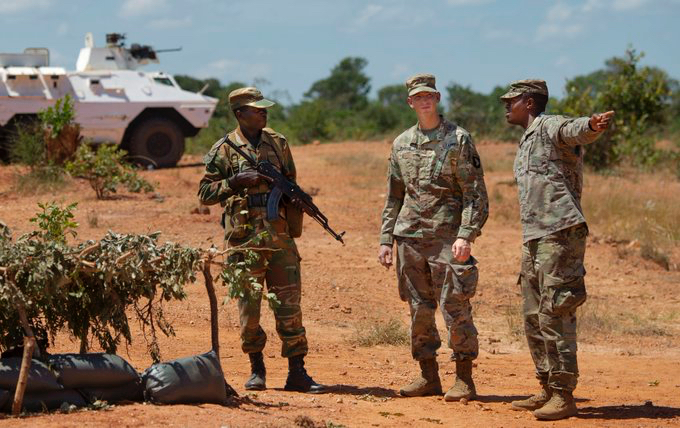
428	275
280	271
552	288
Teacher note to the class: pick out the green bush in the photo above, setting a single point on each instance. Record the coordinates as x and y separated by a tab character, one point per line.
639	95
105	170
58	116
27	145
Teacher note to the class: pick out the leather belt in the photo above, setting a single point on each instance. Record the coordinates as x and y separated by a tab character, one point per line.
258	200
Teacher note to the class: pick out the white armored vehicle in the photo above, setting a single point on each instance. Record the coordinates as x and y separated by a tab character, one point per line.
147	113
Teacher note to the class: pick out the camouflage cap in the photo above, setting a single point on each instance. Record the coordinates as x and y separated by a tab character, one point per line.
420	83
526	86
249	96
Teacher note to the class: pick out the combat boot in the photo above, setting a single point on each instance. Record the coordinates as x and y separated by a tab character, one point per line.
258	375
427	383
464	387
298	379
534	402
560	406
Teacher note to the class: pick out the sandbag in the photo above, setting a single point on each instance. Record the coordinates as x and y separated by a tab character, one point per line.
197	379
132	391
5	396
40	378
48	400
92	370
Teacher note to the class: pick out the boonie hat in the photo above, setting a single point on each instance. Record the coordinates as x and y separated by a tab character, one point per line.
420	83
526	86
249	96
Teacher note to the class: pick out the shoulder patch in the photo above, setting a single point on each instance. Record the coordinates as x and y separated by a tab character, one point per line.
210	156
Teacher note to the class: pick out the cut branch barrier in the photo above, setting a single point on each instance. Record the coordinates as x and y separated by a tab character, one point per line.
111	274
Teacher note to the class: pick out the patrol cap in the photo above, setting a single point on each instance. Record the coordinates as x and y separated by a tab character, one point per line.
526	86
420	83
249	96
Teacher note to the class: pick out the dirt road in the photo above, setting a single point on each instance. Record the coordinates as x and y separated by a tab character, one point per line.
629	354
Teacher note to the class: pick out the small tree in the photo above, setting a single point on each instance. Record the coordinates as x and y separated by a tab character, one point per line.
105	170
346	88
639	95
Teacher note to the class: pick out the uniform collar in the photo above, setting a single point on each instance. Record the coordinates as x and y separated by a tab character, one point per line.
530	130
419	135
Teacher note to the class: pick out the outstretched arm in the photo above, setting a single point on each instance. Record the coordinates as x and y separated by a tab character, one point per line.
582	130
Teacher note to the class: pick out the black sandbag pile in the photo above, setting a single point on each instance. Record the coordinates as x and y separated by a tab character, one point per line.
106	377
196	379
43	391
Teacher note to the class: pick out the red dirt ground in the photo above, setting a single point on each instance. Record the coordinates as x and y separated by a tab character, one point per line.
626	379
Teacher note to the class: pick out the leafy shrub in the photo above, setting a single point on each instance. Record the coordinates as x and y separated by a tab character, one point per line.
105	170
640	97
57	117
86	289
27	146
55	222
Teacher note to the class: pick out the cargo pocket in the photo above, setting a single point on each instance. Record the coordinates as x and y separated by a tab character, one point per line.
465	278
568	297
235	218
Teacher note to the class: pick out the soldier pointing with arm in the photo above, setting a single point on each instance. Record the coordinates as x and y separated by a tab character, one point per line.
436	206
549	174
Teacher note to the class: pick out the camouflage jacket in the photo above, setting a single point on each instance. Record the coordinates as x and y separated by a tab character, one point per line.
435	188
549	174
222	162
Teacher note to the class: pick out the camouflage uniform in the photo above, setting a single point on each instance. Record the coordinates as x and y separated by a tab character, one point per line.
279	263
548	170
435	194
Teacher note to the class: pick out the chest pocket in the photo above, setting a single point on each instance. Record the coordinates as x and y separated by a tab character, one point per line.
539	151
416	164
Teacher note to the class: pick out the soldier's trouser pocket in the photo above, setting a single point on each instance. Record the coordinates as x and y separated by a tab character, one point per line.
465	277
567	297
235	218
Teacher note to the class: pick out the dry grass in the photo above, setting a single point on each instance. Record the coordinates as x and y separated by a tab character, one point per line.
368	169
641	207
597	320
392	332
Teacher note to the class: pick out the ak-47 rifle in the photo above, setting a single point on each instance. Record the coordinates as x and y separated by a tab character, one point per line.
282	186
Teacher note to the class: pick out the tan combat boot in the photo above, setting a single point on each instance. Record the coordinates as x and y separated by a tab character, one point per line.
560	406
464	386
427	383
534	402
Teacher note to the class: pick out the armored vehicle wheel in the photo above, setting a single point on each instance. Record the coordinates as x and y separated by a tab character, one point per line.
157	142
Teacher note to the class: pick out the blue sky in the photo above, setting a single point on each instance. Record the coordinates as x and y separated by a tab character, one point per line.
291	44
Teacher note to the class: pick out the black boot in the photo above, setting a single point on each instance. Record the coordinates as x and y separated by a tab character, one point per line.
298	379
256	382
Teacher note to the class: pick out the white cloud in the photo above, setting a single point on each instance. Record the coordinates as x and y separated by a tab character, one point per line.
170	23
368	13
467	2
62	29
134	8
397	14
628	4
560	22
400	71
562	60
12	6
230	70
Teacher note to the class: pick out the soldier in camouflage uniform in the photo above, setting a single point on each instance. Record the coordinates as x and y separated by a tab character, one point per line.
548	171
230	181
436	206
